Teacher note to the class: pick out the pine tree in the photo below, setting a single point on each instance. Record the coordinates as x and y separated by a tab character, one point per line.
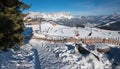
11	23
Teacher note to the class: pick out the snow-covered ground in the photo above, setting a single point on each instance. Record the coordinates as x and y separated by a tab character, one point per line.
23	58
44	55
37	54
64	56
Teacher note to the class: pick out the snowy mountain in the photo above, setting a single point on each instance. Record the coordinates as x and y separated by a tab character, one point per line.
112	25
65	18
49	16
112	17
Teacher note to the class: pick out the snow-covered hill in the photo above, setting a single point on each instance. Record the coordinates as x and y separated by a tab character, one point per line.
39	54
112	25
54	29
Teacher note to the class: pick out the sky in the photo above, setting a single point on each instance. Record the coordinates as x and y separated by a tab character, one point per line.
76	7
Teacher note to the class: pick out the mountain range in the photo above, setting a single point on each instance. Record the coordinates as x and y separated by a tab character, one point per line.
67	19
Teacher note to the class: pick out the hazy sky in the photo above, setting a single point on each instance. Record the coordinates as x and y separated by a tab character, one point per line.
76	7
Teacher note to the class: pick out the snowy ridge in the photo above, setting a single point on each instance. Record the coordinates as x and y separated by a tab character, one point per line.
49	16
67	19
112	25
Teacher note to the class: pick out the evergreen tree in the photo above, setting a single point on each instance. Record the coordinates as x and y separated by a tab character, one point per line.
11	23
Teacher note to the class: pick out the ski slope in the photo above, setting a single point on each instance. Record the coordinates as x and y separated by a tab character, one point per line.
48	28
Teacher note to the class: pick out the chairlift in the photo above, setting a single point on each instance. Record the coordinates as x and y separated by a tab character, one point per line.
77	35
